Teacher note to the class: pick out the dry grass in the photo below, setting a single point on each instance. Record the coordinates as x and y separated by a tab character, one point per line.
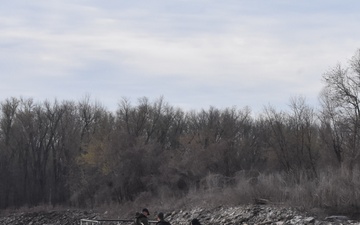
333	190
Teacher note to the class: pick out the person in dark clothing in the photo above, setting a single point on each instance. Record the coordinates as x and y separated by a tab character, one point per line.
142	218
160	219
195	222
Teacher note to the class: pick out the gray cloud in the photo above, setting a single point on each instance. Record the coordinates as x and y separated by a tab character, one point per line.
195	53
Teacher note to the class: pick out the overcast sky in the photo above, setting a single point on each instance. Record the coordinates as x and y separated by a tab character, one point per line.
194	53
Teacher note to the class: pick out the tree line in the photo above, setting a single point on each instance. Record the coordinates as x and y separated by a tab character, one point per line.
81	154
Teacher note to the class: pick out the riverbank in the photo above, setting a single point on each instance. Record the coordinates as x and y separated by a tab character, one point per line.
221	215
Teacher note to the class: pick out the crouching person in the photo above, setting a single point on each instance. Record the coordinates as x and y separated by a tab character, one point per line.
142	218
195	222
161	220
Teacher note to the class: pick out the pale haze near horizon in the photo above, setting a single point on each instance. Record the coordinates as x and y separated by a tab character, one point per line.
195	54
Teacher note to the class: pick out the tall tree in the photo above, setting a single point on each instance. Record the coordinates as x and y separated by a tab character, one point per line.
341	110
7	152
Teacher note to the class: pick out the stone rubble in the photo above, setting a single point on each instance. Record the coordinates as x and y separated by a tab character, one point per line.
65	217
246	215
252	214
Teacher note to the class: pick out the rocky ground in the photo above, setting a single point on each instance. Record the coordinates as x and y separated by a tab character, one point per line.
250	214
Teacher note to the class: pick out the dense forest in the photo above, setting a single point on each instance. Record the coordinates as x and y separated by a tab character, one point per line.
81	154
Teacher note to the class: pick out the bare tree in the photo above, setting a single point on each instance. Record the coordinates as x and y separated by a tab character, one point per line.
294	137
303	122
7	152
341	110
